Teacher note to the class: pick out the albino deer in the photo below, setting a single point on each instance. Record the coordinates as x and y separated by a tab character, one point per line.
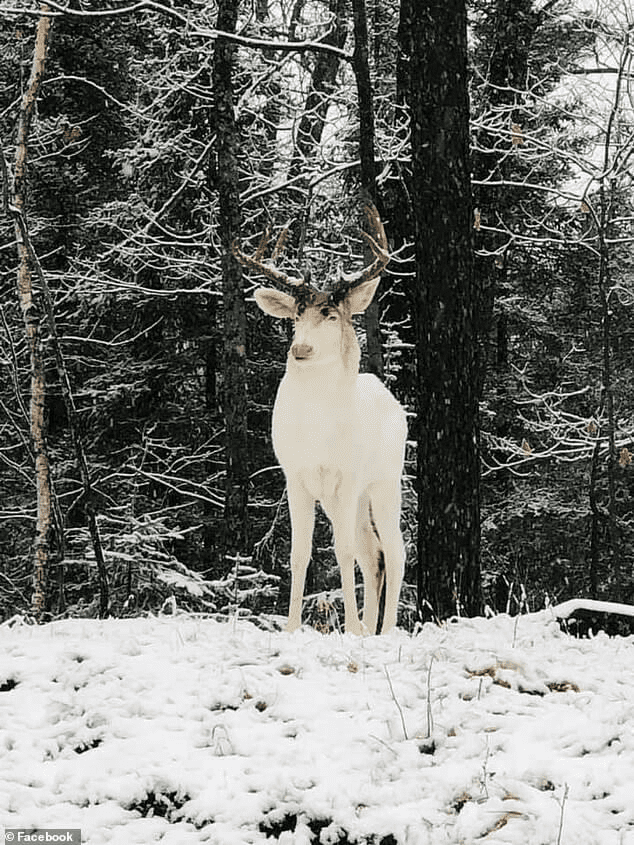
338	435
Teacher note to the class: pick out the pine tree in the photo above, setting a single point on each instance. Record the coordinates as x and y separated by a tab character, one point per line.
445	310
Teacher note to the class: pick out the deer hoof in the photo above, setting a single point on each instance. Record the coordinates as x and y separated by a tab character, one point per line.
357	628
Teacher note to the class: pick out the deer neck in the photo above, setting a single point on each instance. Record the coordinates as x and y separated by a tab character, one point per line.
336	377
322	381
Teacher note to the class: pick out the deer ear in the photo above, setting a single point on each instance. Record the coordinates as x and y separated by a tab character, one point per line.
360	297
275	302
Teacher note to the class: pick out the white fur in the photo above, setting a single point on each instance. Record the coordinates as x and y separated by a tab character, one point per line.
340	439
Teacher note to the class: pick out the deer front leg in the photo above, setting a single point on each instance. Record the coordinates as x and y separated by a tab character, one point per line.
302	509
343	516
351	614
345	559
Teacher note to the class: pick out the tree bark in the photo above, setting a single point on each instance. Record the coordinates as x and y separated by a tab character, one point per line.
445	312
88	497
235	361
608	511
513	26
29	269
361	64
322	86
31	316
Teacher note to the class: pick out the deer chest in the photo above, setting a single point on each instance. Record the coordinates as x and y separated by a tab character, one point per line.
315	436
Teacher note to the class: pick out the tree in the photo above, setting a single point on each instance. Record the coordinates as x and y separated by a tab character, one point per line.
322	85
445	299
365	99
556	206
32	318
235	341
128	157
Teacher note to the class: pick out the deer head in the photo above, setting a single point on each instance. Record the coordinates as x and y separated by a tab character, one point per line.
322	318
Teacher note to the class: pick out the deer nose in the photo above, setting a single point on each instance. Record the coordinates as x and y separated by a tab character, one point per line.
300	351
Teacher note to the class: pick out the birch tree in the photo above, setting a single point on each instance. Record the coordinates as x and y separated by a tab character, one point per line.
32	316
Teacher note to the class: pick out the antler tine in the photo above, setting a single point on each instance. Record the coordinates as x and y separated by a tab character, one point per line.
264	242
280	243
377	242
288	284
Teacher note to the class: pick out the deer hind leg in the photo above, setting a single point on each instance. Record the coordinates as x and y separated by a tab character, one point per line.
385	502
370	559
302	509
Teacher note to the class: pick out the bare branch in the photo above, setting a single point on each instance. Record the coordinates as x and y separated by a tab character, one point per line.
60	10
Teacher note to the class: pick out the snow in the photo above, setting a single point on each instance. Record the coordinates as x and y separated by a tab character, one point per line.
567	608
185	730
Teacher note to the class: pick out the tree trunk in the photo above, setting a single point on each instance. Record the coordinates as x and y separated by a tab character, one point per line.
30	267
89	496
608	512
445	312
322	87
513	25
361	66
234	310
31	316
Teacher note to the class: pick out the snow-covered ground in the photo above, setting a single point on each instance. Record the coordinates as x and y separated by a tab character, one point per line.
184	730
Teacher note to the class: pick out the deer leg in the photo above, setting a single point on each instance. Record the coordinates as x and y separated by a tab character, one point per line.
386	511
345	559
342	510
369	558
302	509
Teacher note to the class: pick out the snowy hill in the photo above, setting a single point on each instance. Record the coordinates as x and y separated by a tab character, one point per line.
183	730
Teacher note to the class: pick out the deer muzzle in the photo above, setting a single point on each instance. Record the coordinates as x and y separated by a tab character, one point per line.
301	351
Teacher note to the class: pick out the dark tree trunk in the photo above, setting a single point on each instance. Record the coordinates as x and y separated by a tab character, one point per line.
322	86
365	97
234	311
604	513
508	36
445	310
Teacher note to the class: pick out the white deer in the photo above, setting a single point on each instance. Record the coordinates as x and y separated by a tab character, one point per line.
338	435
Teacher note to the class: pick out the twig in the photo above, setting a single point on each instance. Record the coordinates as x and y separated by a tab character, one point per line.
485	773
5	182
430	719
377	738
561	817
400	710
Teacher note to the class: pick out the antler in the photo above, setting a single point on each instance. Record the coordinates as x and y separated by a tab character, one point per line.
289	284
296	285
377	242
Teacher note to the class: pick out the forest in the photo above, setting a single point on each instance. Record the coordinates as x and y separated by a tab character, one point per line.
139	140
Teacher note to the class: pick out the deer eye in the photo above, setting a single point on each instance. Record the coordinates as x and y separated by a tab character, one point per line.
329	313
